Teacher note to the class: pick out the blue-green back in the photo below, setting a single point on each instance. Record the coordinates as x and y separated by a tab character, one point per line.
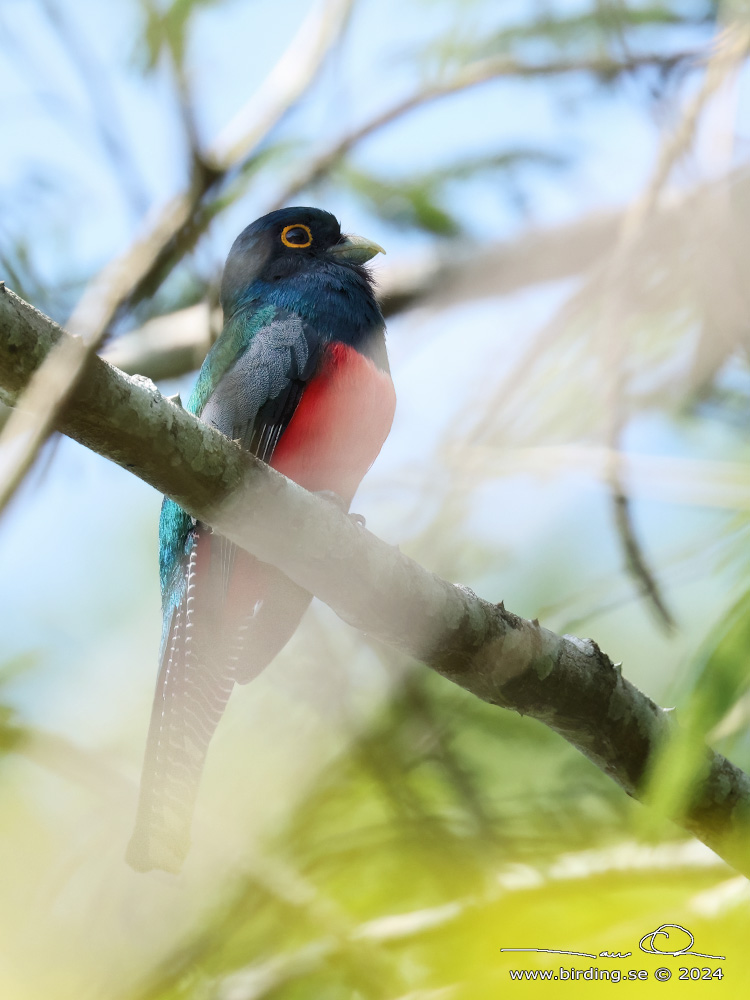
175	537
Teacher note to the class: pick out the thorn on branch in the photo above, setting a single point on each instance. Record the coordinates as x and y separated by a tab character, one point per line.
602	656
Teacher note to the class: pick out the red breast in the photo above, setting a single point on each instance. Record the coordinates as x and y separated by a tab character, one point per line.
340	424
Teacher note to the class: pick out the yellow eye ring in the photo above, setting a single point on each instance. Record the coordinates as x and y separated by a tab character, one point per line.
296	246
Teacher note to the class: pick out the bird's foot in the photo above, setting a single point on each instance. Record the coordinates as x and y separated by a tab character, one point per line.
337	501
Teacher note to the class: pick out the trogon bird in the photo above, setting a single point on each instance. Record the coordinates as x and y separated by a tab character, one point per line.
299	377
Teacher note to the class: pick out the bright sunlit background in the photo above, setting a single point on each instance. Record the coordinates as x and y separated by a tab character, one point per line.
566	206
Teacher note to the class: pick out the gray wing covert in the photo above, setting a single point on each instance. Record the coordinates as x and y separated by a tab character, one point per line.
205	655
255	400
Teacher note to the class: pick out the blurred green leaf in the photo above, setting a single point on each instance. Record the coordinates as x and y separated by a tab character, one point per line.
12	733
420	201
406	203
724	672
606	25
166	27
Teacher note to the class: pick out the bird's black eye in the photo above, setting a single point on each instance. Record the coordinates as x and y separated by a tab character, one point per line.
296	236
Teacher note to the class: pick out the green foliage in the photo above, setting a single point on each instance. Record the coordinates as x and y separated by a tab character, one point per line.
420	202
411	204
464	829
11	733
724	670
167	26
607	22
721	679
604	26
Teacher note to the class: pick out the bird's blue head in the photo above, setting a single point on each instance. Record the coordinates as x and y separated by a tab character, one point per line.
298	259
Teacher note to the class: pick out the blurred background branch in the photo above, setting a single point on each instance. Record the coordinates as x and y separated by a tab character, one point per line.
731	49
23	434
499	152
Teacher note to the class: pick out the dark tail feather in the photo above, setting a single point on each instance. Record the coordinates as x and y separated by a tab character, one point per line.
236	615
195	682
277	608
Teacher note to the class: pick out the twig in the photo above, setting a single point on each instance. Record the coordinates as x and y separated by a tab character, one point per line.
731	48
283	87
28	427
101	97
635	557
176	343
257	116
565	682
474	75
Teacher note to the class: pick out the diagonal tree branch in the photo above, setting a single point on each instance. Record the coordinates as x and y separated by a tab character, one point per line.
567	683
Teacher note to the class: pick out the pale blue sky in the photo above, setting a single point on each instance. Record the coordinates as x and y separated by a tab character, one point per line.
78	548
